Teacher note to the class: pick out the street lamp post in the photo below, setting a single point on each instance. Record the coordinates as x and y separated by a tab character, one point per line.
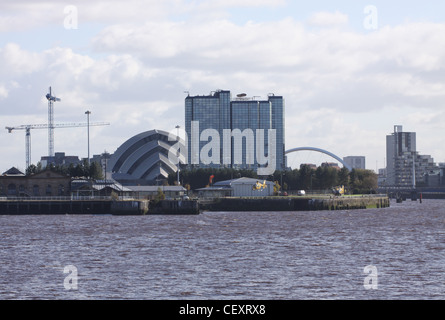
414	170
88	132
177	152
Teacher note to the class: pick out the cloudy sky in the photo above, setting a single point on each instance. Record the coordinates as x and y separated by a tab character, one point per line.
348	70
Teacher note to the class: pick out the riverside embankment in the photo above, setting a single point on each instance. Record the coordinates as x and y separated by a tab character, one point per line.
92	205
307	203
61	206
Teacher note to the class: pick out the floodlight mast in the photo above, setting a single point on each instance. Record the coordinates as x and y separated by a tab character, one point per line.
28	146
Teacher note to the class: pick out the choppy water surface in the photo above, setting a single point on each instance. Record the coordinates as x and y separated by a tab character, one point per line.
230	255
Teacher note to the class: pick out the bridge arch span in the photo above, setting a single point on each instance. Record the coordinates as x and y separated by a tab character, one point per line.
347	166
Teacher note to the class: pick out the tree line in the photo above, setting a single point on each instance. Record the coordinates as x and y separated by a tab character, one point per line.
356	181
91	170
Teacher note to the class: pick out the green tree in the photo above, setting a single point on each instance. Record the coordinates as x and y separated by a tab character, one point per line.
291	179
317	180
362	181
32	169
330	178
306	178
95	171
160	195
343	177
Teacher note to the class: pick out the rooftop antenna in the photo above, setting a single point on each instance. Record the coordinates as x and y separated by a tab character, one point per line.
51	99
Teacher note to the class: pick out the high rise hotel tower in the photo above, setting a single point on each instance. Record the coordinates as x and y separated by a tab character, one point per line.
219	112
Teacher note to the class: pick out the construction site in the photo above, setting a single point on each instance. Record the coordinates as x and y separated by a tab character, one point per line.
50	126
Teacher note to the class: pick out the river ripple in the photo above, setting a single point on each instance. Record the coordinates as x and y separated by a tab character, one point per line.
228	255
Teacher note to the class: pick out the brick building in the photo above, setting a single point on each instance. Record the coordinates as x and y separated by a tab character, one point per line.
14	183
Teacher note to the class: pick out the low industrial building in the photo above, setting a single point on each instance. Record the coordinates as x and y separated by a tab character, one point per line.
242	187
434	178
98	188
112	188
59	159
14	183
151	192
330	165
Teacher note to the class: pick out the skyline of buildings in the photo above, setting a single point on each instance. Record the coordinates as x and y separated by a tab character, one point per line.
218	111
180	56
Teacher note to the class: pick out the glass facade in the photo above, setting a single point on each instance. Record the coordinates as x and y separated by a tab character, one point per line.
242	117
278	124
212	112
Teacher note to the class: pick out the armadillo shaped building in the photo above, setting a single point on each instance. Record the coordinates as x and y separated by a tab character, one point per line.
146	158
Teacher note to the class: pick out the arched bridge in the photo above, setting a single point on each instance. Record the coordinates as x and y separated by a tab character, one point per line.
347	166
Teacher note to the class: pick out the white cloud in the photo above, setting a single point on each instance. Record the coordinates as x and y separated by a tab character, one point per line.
17	62
215	5
20	15
3	92
328	19
134	73
281	44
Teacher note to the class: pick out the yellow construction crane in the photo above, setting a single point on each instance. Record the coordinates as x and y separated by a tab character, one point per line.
28	127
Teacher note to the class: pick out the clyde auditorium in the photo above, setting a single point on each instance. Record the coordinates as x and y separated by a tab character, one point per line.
144	158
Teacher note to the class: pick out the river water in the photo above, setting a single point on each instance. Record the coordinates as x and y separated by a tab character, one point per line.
228	255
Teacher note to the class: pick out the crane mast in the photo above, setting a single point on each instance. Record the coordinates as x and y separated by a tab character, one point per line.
28	127
28	146
51	99
50	126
